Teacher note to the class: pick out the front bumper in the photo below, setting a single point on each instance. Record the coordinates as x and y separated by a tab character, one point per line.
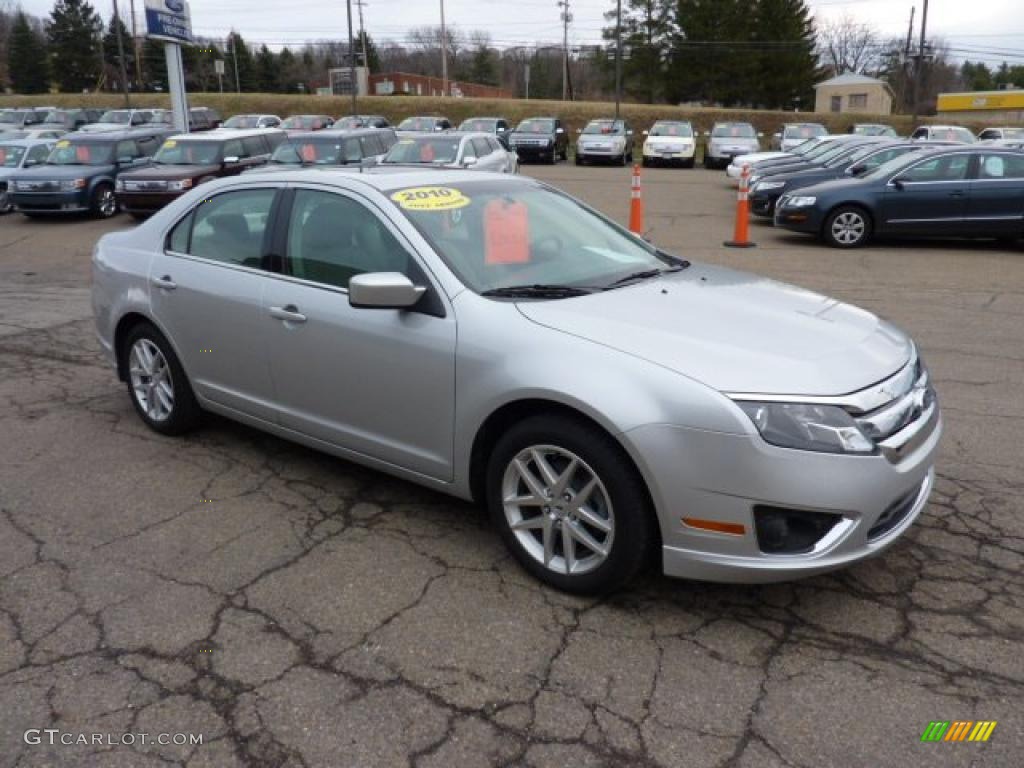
721	477
807	219
529	151
763	203
146	202
51	202
670	154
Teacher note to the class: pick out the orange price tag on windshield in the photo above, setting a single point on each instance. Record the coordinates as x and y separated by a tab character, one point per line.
308	153
506	232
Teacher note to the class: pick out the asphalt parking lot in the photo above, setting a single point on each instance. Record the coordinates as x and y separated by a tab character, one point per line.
297	610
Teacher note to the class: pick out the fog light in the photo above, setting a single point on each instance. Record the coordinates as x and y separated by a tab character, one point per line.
791	531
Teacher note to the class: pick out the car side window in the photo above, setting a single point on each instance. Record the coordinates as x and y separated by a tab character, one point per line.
127	149
389	138
178	239
371	145
482	147
254	146
352	152
233	148
945	168
494	144
920	133
231	227
468	150
989	134
332	238
37	155
1001	166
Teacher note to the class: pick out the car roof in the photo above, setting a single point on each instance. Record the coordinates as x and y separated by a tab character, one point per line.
219	134
539	117
484	117
343	133
734	122
308	114
382	179
448	135
118	135
28	143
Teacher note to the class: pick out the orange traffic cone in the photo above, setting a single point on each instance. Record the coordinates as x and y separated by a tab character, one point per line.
741	232
636	204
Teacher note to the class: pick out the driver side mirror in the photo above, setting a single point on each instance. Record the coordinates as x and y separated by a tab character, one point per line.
560	130
468	162
856	170
898	182
383	290
232	160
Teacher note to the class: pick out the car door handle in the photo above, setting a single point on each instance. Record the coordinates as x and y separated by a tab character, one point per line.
957	193
165	282
288	313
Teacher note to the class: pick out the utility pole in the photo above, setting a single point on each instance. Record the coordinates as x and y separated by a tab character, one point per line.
566	18
135	48
906	58
234	59
353	85
362	35
919	70
444	54
618	56
120	57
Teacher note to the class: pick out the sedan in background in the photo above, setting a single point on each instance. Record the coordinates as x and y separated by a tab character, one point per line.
613	406
17	119
16	155
948	192
873	129
453	149
332	148
754	159
727	140
498	126
955	133
306	123
350	122
540	138
607	140
793	135
424	124
121	119
1001	134
69	119
670	142
249	122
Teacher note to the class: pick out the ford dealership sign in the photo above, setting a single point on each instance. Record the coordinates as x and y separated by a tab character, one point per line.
169	20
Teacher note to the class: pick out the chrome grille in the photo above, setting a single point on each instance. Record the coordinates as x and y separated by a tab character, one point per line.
904	406
145	186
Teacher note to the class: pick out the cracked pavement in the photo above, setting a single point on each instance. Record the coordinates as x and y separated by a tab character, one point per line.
297	610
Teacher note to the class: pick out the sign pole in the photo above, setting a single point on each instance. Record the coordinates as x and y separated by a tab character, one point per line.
170	21
176	86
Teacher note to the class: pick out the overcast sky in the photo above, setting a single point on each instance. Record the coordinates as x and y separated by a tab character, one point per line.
991	30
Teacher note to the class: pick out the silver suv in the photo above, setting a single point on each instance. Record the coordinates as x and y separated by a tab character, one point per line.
490	337
727	140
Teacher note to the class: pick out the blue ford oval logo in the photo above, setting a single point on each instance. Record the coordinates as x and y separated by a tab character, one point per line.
175	5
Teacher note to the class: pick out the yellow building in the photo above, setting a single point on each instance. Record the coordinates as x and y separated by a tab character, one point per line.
983	106
853	94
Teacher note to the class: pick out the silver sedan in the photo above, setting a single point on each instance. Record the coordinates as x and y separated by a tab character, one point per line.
490	337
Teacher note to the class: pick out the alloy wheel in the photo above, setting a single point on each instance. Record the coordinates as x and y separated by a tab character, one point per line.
558	509
151	380
107	203
6	206
848	228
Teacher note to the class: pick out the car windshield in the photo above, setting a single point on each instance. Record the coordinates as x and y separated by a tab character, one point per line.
684	130
830	152
952	134
497	235
479	124
822	149
303	122
863	152
58	116
119	116
536	126
804	147
350	122
1013	133
850	154
804	131
318	152
607	127
893	166
873	130
13	117
82	153
10	155
436	150
417	124
189	152
733	131
242	121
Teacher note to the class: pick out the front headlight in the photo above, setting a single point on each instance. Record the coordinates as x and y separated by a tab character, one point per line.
807	427
178	186
69	185
801	202
766	185
752	179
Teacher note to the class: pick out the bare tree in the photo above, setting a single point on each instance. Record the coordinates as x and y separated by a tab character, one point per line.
848	45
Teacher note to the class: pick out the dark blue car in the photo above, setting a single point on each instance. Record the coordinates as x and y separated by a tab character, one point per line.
80	173
951	192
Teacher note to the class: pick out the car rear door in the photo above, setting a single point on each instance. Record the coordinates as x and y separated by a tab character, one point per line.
206	288
929	197
996	198
379	382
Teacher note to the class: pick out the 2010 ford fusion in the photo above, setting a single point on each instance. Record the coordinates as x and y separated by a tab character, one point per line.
493	338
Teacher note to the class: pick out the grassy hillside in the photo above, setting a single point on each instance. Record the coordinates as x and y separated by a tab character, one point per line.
397	107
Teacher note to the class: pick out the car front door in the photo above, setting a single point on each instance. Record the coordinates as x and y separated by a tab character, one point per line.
929	197
995	202
206	289
378	382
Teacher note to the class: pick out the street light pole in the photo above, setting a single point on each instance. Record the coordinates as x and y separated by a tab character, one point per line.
120	56
566	18
444	54
351	57
919	70
618	56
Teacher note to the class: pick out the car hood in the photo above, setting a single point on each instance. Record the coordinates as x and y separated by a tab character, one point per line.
63	171
736	332
806	174
841	185
516	136
668	139
734	141
171	172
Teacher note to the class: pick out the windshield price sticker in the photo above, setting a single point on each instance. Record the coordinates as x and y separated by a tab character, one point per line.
170	144
63	143
430	199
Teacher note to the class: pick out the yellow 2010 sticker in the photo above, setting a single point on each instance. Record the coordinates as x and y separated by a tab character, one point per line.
63	143
170	144
430	199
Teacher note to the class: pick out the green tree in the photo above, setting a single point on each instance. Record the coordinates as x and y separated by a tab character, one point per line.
710	60
288	79
27	66
73	31
268	77
372	54
786	64
111	54
647	29
976	77
237	54
154	65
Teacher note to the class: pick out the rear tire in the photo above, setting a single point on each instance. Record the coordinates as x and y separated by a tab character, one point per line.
569	504
6	206
157	384
103	203
847	227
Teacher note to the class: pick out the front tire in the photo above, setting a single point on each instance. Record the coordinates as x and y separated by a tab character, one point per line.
569	504
847	227
103	203
6	206
157	384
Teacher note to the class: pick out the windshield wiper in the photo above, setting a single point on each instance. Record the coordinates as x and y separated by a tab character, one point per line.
537	291
647	274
